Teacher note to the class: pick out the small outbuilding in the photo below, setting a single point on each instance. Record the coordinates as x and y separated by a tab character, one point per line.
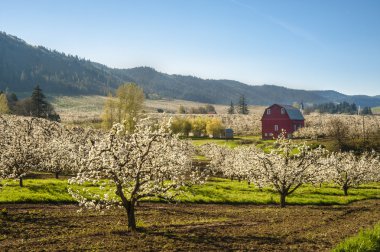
228	133
281	117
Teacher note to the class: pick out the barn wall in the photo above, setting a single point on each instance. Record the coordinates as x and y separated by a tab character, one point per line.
276	118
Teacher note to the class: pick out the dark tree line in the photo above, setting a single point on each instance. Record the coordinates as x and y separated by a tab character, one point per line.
36	105
339	108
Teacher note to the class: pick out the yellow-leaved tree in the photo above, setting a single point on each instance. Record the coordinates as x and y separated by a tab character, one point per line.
4	108
125	108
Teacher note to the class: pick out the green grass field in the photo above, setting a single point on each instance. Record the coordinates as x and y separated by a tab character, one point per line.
215	190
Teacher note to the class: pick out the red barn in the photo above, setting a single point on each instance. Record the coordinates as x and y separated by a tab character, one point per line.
281	117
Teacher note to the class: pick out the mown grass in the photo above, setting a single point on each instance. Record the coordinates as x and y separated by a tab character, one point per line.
367	240
216	190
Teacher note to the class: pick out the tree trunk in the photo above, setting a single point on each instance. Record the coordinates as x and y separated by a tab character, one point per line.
21	182
57	175
345	189
282	200
131	216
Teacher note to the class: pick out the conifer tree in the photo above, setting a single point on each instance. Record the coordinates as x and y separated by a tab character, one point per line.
39	107
38	103
243	107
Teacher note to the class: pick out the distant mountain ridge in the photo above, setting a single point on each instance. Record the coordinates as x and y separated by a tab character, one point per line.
22	66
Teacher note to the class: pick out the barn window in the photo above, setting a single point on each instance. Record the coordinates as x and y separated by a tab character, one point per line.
268	111
295	126
282	111
266	134
276	127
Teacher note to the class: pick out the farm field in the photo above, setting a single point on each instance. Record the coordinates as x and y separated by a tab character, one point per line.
81	108
185	227
219	215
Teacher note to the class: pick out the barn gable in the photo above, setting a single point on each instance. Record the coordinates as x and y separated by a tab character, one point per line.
277	118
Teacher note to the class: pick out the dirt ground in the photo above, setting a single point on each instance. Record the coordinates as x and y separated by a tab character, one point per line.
182	227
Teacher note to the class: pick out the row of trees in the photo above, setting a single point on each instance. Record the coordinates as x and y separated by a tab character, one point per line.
338	108
290	165
126	166
36	105
198	126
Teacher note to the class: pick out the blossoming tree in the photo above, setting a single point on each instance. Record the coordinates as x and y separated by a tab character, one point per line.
349	170
289	166
150	162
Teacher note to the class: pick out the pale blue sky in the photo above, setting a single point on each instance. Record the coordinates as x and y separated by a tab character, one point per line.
304	44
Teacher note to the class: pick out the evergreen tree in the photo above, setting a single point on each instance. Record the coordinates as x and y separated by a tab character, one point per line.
38	103
231	109
39	107
243	107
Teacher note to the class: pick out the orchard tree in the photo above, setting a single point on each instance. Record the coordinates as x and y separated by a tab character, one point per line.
20	144
217	156
288	166
349	170
150	162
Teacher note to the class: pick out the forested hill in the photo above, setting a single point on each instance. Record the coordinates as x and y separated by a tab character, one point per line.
22	66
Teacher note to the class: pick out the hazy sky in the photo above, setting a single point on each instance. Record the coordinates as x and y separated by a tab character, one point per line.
305	44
